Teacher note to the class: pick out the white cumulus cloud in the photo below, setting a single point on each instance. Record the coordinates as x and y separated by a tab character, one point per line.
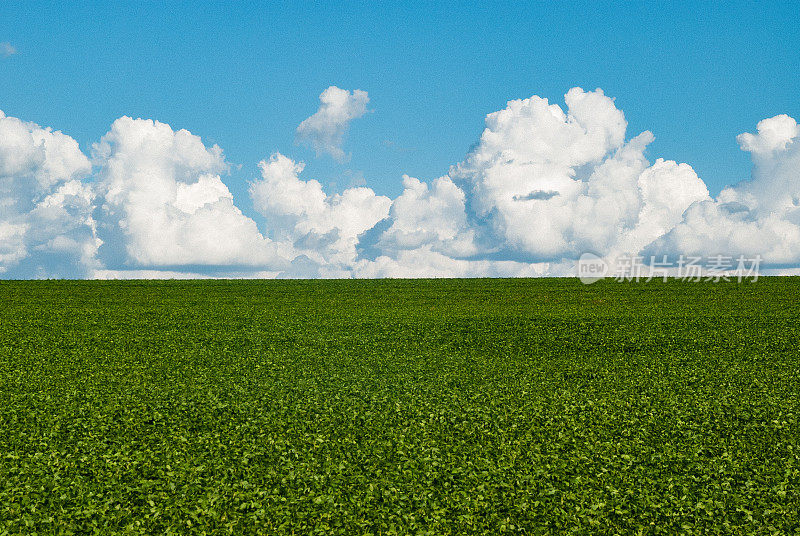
326	129
543	184
163	202
547	184
760	216
46	224
324	228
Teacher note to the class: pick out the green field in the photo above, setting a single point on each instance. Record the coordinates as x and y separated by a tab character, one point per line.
400	407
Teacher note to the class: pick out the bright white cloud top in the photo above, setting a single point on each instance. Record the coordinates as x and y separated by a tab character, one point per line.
543	185
161	202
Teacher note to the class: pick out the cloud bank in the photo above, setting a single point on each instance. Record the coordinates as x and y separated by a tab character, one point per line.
543	184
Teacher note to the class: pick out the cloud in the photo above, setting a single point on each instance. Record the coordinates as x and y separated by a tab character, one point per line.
426	217
162	202
46	224
760	216
326	129
543	184
322	228
425	262
537	195
7	49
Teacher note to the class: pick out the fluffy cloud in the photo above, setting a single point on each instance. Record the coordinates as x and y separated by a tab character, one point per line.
322	228
547	184
760	216
543	185
38	157
424	218
46	224
163	203
325	130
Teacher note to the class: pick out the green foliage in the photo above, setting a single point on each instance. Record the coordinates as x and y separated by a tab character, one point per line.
399	407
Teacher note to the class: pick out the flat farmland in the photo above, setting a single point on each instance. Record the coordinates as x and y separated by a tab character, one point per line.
435	407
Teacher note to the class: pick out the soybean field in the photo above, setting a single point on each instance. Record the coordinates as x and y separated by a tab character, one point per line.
482	406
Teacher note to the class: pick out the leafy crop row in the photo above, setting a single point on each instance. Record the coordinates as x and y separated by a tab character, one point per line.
399	407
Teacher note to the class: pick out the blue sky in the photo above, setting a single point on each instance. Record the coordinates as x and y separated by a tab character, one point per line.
244	76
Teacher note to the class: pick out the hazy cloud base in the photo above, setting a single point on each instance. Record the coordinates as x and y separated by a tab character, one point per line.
543	184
